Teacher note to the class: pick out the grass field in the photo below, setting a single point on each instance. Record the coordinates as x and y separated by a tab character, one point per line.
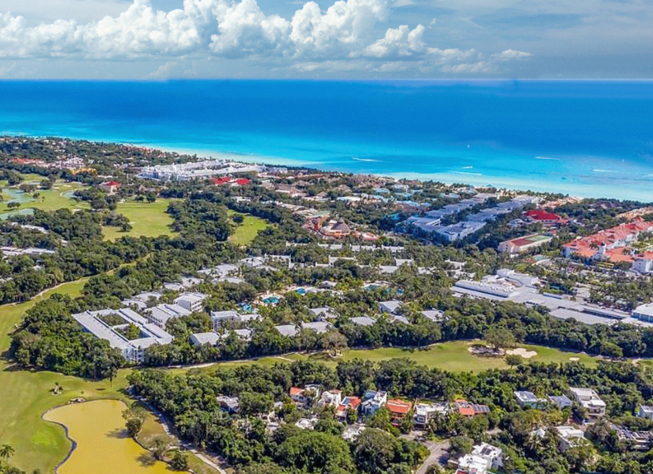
48	200
25	396
449	356
147	219
247	231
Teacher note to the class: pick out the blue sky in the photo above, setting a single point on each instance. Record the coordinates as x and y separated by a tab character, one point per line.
358	39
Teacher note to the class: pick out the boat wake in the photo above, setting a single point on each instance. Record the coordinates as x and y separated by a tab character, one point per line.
364	159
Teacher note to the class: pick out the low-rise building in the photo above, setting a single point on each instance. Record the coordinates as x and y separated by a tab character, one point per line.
467	409
363	321
110	187
569	437
352	432
527	399
288	330
523	244
307	423
590	401
640	440
391	306
373	401
348	404
162	313
110	325
191	301
482	458
398	409
229	404
324	313
319	327
645	411
425	412
561	401
202	338
644	312
331	398
305	396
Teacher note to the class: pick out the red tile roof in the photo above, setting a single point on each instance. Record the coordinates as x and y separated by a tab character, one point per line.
542	215
398	407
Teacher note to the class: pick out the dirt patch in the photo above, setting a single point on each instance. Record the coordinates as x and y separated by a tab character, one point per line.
521	351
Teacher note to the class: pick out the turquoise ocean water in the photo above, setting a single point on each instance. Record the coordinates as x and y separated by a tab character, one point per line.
587	138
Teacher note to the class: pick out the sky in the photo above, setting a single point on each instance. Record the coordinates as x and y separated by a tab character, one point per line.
344	39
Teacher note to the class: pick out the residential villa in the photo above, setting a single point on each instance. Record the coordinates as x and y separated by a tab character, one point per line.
569	437
347	405
590	401
469	410
530	400
330	398
373	401
482	458
425	412
398	409
305	396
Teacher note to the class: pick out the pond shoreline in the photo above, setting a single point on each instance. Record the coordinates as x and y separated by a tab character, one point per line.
73	446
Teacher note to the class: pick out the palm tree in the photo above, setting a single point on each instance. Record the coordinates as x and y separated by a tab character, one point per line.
6	451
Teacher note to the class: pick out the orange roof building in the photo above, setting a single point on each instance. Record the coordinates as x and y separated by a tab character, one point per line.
398	408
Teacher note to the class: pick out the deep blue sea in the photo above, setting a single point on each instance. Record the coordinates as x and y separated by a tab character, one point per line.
587	138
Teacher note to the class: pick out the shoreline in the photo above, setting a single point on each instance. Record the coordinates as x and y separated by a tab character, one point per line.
448	178
626	189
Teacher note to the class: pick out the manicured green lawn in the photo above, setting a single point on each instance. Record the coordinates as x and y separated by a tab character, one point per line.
48	200
25	396
147	219
449	356
455	356
247	231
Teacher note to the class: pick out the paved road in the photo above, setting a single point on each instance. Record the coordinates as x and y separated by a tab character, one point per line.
438	455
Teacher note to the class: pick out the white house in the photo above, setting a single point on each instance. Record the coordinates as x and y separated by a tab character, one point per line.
569	437
305	396
324	313
288	330
482	458
391	306
219	318
191	301
160	314
425	412
527	399
201	338
332	398
589	400
363	321
644	312
645	411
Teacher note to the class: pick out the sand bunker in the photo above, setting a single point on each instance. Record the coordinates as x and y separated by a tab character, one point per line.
520	351
574	359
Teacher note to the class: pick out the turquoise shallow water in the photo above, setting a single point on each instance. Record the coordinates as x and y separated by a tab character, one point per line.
586	138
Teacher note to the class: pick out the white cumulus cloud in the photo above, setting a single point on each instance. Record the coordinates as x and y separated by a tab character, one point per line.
343	36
